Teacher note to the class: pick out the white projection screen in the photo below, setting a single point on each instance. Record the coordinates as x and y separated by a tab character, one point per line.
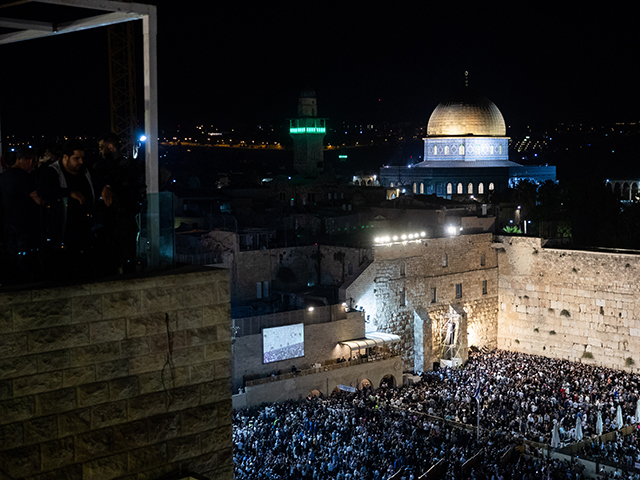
283	343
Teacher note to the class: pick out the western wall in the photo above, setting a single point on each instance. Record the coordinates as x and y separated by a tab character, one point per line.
578	305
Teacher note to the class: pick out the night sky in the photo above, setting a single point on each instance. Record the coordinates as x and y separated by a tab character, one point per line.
230	62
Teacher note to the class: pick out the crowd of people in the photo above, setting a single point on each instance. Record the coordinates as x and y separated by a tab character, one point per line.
61	218
376	434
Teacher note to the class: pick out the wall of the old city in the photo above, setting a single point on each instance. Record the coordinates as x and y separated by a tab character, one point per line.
106	380
404	279
577	305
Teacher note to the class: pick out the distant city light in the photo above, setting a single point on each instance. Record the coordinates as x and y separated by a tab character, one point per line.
143	138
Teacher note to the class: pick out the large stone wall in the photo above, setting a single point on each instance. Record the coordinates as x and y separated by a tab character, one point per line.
409	272
124	379
577	305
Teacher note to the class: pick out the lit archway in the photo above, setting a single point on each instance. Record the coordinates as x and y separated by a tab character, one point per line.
388	381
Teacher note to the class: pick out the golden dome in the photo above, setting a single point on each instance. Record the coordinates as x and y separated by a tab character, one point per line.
466	113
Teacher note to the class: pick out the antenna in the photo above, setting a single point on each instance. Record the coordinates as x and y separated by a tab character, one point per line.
466	78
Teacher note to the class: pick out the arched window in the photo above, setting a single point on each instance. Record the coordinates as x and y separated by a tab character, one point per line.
446	150
480	188
391	185
460	188
435	149
403	268
461	149
491	187
415	187
449	189
422	189
491	148
470	189
500	149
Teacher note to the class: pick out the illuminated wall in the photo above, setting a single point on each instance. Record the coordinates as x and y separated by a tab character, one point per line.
466	149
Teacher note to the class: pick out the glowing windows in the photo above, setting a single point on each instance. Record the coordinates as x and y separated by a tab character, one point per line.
491	187
446	150
460	189
449	189
435	149
422	189
461	149
445	260
470	189
415	187
480	188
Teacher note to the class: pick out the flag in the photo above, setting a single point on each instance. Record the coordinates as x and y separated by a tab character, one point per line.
477	393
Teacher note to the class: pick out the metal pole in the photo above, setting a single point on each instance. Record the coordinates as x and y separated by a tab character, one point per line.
478	426
149	32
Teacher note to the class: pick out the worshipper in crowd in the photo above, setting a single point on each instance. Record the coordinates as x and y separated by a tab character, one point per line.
372	435
21	217
70	195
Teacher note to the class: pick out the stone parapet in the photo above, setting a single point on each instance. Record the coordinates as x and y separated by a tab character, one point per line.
116	379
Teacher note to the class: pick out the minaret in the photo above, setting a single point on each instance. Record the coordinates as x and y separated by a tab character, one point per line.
308	132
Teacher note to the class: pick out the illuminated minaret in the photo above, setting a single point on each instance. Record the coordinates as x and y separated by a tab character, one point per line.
307	131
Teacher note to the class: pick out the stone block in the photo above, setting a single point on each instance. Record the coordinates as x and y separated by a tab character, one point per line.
18	366
162	299
123	388
13	345
108	331
184	397
107	414
70	472
128	436
86	308
39	383
225	412
223	368
40	429
147	363
134	347
164	427
201	464
221	288
201	373
216	440
106	468
94	444
56	360
148	405
215	391
148	457
94	354
21	462
111	370
74	422
6	319
57	401
57	453
93	394
200	419
200	296
121	304
184	447
190	318
163	342
13	298
150	324
45	314
18	409
188	356
58	338
152	382
216	315
11	436
78	376
201	336
215	351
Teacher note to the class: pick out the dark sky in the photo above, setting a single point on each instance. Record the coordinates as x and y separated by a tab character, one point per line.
222	62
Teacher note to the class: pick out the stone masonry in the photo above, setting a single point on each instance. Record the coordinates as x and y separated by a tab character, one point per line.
125	379
404	282
578	305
